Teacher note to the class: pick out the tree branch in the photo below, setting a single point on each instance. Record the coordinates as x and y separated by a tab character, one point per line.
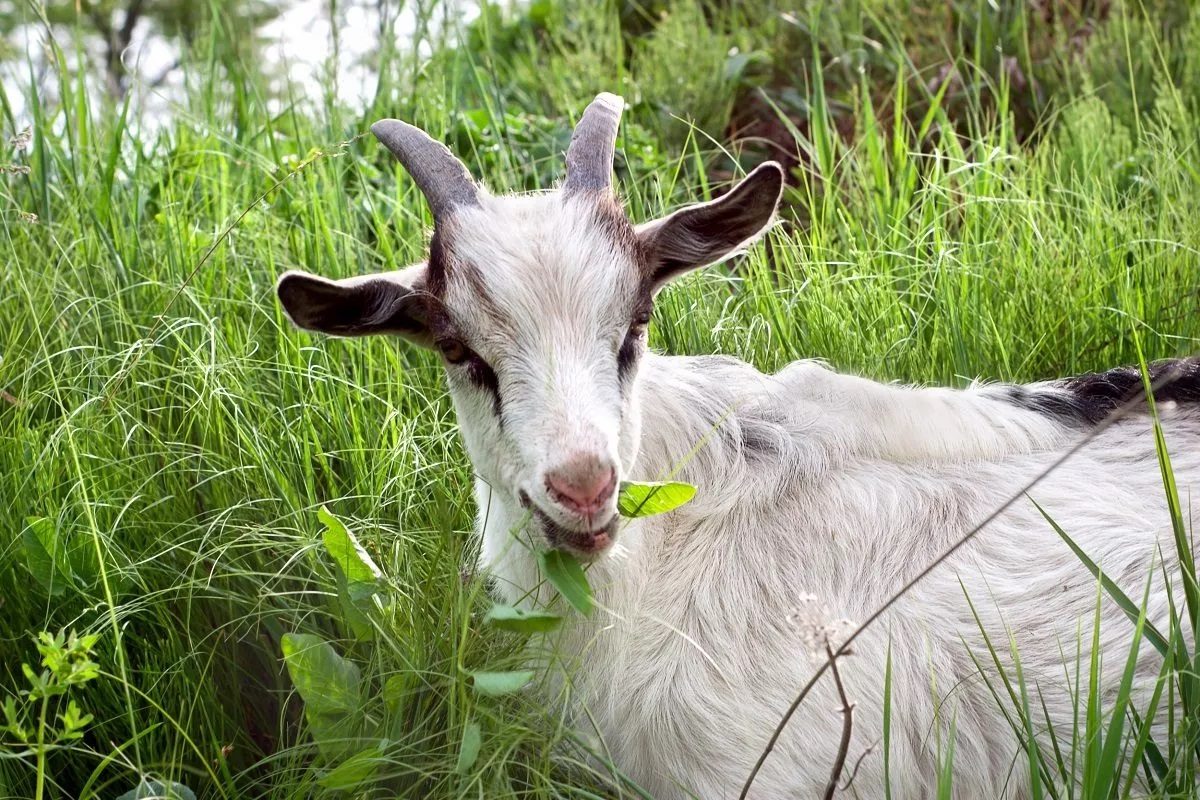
132	14
166	71
839	761
857	764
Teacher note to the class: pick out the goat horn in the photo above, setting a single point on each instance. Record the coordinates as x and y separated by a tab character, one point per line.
590	154
442	178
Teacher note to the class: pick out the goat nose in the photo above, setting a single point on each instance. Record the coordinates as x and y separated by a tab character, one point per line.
583	483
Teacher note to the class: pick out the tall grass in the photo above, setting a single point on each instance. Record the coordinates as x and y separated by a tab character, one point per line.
167	437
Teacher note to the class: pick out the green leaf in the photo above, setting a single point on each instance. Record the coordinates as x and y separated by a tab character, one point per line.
468	751
520	620
566	575
332	692
395	690
148	789
361	573
356	772
353	614
645	499
495	684
44	556
81	564
328	683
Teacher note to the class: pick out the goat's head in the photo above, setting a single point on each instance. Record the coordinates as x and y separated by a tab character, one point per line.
538	305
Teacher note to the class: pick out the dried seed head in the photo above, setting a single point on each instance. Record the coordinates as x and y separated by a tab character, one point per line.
811	620
22	139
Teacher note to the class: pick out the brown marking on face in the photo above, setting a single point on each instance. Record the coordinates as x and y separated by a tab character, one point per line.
610	216
435	270
437	277
472	277
445	269
442	269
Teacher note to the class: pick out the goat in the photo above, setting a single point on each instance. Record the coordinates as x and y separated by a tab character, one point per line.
812	484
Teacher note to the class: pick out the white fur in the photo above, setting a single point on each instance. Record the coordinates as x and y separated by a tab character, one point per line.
848	489
810	483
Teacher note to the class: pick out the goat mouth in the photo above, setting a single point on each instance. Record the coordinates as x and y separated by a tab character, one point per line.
588	544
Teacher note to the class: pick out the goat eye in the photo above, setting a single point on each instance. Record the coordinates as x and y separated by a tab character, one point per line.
629	350
453	350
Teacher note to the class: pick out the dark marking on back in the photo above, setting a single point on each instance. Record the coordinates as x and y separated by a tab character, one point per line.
1089	399
761	440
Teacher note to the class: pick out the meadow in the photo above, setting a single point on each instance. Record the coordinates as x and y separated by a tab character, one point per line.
977	192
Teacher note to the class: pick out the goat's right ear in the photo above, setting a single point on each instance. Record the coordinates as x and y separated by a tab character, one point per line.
360	306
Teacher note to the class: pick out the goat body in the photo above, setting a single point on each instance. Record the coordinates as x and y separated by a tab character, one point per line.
819	495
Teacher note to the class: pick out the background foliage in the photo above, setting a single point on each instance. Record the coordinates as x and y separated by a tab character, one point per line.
1000	190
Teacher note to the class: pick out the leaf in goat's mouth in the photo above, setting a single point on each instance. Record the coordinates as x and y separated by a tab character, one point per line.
645	499
565	574
636	499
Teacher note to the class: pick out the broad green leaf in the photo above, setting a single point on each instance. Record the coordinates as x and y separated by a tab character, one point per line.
44	556
641	499
356	772
495	684
81	563
468	751
149	789
328	683
395	690
353	614
520	620
331	688
565	574
361	573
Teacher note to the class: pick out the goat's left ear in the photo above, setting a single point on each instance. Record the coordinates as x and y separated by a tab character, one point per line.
389	303
706	233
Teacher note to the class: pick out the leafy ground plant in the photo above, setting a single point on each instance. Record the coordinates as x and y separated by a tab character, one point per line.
166	439
350	729
45	716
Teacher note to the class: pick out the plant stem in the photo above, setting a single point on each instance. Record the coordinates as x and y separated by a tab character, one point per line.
41	750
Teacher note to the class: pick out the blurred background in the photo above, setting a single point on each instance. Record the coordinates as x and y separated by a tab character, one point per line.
740	71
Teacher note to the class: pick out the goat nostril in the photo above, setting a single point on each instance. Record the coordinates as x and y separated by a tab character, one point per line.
582	490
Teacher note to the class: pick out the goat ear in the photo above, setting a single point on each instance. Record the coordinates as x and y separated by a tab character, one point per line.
389	303
706	233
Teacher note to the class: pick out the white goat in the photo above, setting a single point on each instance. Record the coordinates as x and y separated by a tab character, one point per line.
810	483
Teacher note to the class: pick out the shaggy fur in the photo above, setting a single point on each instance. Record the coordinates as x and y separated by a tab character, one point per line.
818	495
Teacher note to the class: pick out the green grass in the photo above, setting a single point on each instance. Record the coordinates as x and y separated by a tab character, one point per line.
177	436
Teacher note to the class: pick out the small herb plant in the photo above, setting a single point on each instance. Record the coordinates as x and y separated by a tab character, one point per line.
351	729
44	717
